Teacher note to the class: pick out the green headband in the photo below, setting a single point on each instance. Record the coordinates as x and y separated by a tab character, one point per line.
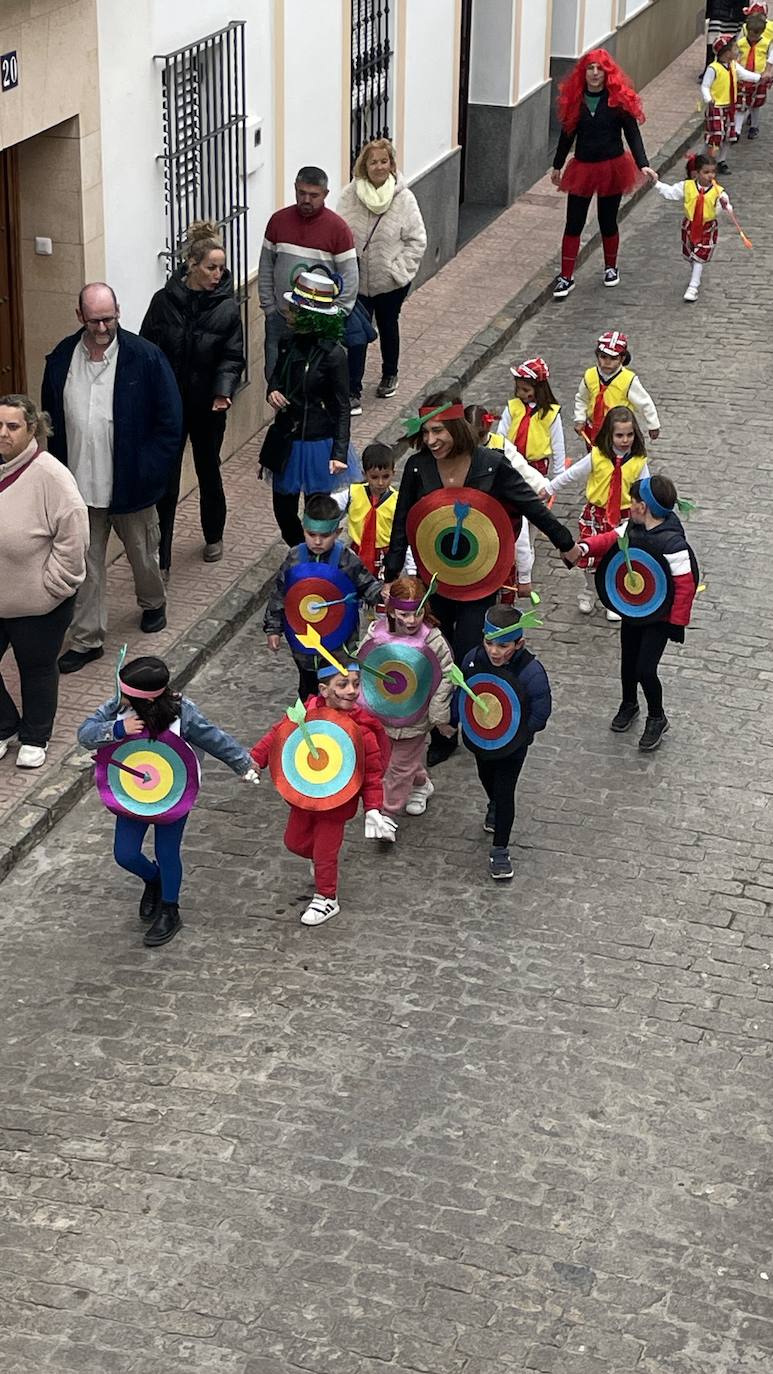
321	526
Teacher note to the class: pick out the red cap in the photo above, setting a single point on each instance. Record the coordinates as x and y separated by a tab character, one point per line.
614	342
534	370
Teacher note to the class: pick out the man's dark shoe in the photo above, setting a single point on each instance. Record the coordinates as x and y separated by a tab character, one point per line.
488	824
153	621
165	926
75	659
387	387
654	731
440	748
626	715
150	901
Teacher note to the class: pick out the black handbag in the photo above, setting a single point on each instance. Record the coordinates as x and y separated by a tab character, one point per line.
277	445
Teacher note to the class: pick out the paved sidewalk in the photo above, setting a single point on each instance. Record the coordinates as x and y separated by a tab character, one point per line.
438	323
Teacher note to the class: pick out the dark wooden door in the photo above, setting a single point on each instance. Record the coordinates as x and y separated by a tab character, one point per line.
464	86
12	369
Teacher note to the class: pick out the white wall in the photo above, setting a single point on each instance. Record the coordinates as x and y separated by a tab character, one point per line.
598	22
564	42
130	89
491	49
432	84
315	91
534	37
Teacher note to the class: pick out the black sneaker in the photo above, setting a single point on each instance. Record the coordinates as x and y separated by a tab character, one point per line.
654	731
387	387
150	901
440	748
753	133
611	276
723	168
488	824
165	926
562	287
75	659
151	622
355	405
626	715
500	865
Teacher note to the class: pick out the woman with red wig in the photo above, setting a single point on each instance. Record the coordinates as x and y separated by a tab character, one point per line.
597	107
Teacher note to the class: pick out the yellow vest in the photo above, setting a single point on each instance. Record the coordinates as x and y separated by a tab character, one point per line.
538	444
709	201
359	505
720	86
760	51
494	441
597	490
615	393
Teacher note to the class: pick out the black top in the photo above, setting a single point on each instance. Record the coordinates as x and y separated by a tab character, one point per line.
727	12
201	334
489	472
314	376
599	136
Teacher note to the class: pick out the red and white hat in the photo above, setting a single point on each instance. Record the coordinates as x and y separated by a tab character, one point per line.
760	8
613	342
534	370
723	41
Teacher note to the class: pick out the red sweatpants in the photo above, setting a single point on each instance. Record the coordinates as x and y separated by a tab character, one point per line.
318	835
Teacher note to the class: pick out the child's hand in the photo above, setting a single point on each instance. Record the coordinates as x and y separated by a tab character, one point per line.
654	433
572	555
252	775
132	724
273	642
650	174
579	428
447	731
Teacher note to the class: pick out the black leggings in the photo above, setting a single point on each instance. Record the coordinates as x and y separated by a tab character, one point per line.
577	208
286	505
499	778
641	649
206	429
461	622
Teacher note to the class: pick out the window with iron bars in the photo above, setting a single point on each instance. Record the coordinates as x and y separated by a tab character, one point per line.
205	149
371	72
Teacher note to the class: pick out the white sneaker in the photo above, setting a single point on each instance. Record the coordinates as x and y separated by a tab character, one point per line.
319	910
585	602
416	804
691	294
5	745
612	615
30	756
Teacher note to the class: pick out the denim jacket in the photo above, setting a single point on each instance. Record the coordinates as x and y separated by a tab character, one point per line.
204	738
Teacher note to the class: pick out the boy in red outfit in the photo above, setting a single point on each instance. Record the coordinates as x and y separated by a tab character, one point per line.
318	835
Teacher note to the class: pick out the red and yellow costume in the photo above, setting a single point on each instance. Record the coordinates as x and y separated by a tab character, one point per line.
754	58
369	522
699	226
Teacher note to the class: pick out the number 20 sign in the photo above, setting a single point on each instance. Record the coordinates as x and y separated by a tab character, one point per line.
9	71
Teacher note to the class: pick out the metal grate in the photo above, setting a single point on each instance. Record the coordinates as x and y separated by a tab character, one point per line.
205	147
371	72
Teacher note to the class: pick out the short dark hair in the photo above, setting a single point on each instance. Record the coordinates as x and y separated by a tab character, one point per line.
662	489
620	415
312	176
322	507
377	456
504	617
462	433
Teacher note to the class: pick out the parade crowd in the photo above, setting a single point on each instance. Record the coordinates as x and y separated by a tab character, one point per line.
398	604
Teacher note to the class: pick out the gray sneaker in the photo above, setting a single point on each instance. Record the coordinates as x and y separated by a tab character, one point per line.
387	387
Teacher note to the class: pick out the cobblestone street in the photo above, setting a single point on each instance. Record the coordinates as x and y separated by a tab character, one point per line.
457	1130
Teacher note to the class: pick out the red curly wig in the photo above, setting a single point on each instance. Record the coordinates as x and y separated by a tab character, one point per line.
571	92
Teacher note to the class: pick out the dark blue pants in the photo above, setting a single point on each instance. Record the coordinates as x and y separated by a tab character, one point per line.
129	835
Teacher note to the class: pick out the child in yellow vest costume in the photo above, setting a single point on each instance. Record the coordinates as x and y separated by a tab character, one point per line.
755	49
370	509
701	195
531	423
612	382
719	88
618	458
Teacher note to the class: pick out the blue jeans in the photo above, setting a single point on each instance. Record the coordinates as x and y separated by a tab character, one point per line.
129	835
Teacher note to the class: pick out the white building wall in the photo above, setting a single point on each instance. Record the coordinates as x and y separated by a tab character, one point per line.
534	44
598	22
565	27
316	91
491	52
432	84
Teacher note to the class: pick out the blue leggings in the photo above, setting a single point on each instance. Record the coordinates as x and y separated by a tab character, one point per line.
129	834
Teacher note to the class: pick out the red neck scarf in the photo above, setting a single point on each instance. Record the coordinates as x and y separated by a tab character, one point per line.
522	433
751	57
367	549
6	482
599	409
696	227
616	489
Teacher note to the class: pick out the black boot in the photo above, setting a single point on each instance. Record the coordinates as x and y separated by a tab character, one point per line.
440	748
626	715
165	926
150	900
654	731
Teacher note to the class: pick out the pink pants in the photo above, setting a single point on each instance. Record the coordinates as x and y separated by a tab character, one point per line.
406	771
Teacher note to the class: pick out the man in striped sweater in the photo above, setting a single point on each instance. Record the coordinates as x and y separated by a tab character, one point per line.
304	234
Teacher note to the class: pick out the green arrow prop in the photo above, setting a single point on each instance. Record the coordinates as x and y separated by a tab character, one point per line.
297	714
456	676
429	592
413	423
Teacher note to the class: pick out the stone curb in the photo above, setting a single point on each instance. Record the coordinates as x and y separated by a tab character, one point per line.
72	778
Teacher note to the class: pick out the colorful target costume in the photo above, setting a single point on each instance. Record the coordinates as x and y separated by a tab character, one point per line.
644	634
154	782
596	123
598	393
413	699
756	55
304	582
518	704
353	752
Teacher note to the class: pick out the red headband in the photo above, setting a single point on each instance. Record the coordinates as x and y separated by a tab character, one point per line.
453	412
137	691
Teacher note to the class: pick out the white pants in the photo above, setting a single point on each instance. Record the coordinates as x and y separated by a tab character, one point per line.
524	553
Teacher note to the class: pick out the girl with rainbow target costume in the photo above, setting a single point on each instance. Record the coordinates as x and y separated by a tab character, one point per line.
153	779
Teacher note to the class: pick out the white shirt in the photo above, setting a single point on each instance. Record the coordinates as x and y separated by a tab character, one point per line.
88	419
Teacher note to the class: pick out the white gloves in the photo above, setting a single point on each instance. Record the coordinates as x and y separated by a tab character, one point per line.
252	775
379	827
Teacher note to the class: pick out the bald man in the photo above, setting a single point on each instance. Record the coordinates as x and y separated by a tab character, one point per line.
117	418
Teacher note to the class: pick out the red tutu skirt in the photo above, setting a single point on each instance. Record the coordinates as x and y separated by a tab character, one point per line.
615	177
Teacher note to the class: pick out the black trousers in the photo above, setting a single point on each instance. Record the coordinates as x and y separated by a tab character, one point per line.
206	429
308	684
641	649
36	641
386	307
577	208
499	778
286	505
461	623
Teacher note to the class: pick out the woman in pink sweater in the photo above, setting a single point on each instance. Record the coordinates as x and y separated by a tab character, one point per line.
44	535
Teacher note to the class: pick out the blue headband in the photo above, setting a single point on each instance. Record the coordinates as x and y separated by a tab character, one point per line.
508	635
327	670
654	506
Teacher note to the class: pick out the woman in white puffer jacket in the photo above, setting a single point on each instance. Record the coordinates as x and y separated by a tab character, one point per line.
390	239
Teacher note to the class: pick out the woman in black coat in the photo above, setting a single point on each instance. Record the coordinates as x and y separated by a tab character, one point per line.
196	321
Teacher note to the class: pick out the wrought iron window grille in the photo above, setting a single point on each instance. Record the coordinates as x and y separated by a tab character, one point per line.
371	72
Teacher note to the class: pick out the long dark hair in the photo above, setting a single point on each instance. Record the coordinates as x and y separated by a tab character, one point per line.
148	674
619	415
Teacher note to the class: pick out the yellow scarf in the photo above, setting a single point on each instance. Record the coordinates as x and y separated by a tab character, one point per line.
377	198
